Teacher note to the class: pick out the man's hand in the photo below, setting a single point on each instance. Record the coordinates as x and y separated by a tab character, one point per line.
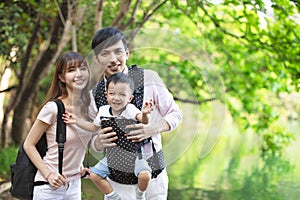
141	131
105	138
85	172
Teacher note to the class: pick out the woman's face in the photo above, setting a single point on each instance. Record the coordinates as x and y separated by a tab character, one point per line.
76	77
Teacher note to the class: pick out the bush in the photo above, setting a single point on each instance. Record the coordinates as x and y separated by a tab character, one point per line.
7	156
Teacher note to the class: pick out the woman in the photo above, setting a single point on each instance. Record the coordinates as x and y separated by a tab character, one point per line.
70	85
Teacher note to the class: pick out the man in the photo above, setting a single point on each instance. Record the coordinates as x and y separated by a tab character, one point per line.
111	54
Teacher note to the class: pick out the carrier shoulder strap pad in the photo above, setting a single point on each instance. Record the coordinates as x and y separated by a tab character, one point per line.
137	74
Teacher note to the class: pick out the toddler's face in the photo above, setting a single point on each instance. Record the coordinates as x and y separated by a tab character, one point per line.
118	96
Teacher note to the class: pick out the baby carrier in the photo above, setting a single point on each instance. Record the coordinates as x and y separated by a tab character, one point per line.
121	158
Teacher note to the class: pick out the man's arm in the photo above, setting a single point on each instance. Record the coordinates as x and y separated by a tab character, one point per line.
166	115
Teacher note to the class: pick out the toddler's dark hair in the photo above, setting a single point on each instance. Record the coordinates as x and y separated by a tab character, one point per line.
120	77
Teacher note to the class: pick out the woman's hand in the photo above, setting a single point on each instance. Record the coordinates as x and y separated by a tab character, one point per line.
105	138
56	180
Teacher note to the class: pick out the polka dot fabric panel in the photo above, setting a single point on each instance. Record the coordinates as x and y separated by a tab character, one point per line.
118	126
99	94
121	158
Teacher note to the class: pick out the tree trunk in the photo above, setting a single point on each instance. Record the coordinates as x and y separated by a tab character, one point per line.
42	66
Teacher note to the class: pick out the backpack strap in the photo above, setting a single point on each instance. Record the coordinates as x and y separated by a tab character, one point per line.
60	133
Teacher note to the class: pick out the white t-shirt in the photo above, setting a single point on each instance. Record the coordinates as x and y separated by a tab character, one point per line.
130	112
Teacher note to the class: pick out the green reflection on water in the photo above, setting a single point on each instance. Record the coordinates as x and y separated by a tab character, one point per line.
235	170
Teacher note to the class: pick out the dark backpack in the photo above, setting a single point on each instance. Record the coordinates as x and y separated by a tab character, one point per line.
127	151
23	170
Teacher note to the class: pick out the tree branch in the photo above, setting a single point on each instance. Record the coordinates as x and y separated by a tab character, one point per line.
60	14
146	17
132	18
124	8
193	101
9	89
98	16
215	22
25	60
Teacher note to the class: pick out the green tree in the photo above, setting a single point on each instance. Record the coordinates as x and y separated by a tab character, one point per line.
253	45
256	49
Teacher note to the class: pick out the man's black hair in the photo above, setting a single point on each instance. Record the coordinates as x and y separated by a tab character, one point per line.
107	37
120	77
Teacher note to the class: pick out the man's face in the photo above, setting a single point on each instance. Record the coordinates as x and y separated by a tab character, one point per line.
113	58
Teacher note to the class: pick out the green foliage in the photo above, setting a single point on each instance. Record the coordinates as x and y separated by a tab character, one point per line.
233	170
275	139
7	157
257	56
182	78
18	20
253	47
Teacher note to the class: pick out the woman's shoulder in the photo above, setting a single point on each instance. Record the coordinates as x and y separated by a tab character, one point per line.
48	112
51	106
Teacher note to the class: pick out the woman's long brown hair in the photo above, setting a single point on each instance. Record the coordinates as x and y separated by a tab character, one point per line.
58	88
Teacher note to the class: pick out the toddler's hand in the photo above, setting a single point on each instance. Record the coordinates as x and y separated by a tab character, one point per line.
69	118
148	107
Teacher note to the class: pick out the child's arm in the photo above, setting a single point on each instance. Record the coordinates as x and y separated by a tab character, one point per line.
147	108
70	118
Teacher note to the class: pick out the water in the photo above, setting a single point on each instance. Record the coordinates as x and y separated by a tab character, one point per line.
232	170
235	170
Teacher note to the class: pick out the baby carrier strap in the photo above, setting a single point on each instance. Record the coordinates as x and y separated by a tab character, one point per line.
99	94
137	74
